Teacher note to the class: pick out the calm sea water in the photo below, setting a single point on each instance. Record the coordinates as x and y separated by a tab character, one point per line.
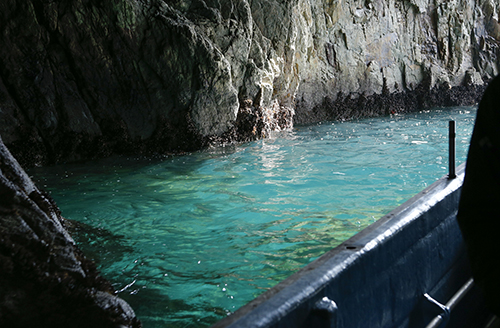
187	240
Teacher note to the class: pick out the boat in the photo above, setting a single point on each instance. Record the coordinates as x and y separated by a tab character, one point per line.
408	269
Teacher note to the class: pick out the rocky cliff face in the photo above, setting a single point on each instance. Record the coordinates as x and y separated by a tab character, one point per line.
45	281
87	78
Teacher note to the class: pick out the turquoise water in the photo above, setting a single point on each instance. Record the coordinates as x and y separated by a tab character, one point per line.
187	240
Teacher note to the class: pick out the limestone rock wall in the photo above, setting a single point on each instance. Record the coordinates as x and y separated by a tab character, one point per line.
88	78
402	50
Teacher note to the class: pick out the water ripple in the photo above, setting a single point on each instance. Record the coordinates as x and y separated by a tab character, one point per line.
188	239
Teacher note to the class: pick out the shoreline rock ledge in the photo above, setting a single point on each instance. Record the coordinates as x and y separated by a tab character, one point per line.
82	79
45	280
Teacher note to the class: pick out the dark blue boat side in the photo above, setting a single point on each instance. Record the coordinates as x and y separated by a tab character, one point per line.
378	278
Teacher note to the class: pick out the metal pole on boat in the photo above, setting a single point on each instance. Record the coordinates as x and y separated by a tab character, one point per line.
451	156
442	319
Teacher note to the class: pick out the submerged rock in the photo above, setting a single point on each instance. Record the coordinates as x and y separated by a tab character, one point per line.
45	280
82	78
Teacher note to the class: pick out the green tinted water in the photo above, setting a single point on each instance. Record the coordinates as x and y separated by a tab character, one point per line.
187	240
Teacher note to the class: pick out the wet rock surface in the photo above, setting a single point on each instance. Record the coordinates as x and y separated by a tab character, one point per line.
45	280
85	78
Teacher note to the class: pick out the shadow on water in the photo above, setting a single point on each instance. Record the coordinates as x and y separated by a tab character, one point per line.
114	165
98	243
159	310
